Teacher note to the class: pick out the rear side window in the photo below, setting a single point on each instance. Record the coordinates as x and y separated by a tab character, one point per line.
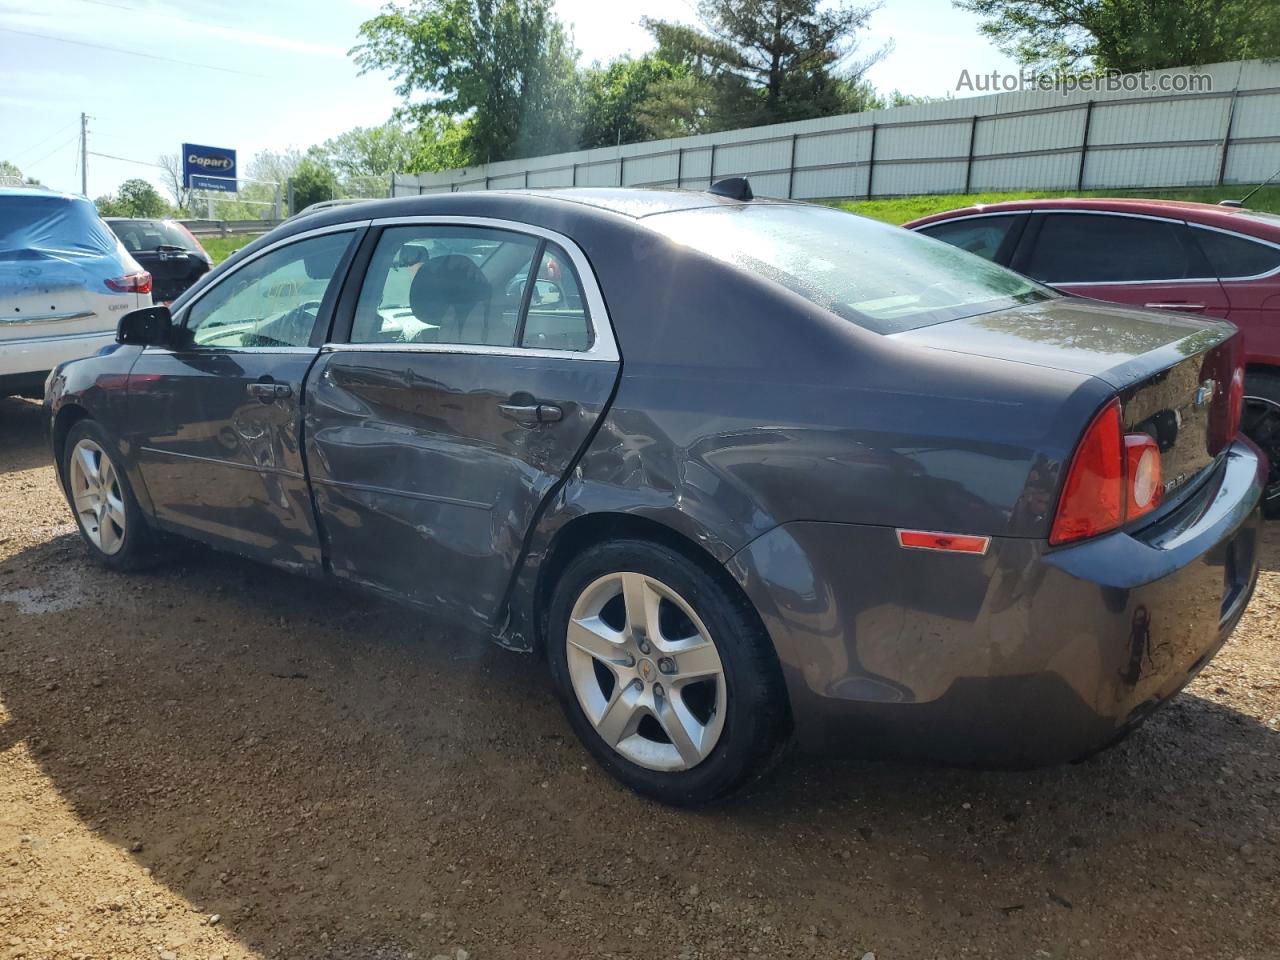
980	235
144	236
434	283
1099	248
1233	256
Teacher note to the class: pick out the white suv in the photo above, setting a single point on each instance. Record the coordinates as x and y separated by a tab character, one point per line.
65	280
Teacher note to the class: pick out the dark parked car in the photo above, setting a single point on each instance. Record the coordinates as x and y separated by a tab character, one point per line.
167	250
735	468
1171	255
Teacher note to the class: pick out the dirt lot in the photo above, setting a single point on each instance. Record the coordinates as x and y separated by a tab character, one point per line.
217	760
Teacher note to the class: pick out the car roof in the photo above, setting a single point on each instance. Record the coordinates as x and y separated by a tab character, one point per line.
632	202
34	191
1241	219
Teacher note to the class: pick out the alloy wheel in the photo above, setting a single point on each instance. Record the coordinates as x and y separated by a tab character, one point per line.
97	497
1261	424
646	672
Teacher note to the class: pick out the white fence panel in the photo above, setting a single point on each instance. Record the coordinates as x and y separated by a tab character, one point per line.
1038	140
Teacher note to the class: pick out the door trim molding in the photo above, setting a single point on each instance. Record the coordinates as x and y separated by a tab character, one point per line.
252	467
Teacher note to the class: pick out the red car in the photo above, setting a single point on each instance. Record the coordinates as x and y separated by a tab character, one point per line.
1162	254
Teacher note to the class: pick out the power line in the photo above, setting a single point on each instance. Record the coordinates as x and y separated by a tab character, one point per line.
35	145
44	156
111	156
130	53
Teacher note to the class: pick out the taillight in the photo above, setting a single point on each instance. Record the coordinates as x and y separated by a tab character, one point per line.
1113	478
1144	484
131	283
1235	403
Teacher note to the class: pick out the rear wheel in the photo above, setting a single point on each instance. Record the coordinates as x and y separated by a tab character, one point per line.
1260	422
664	672
110	521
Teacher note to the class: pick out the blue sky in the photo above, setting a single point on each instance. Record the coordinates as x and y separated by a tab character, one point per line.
274	73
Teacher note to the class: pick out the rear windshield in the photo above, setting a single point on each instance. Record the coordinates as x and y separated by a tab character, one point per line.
880	277
46	224
142	236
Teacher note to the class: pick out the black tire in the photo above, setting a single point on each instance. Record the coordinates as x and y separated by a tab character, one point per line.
756	716
137	548
1261	424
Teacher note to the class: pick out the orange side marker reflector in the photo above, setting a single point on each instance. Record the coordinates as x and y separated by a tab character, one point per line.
945	542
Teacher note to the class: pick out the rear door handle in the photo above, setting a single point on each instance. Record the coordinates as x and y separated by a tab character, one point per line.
531	412
1176	305
266	392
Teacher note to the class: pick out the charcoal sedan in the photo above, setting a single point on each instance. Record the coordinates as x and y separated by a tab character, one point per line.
738	470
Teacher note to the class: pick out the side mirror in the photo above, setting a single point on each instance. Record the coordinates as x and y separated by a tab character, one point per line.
148	327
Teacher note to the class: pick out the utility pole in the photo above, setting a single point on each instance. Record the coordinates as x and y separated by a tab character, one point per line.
84	154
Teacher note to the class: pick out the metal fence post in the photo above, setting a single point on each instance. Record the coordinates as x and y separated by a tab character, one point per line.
621	163
791	166
573	177
871	160
968	167
680	168
711	170
526	179
1226	137
1084	145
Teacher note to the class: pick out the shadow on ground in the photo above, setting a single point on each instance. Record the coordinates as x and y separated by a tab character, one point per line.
323	769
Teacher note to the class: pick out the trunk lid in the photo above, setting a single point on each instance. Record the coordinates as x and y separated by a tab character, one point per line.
1172	373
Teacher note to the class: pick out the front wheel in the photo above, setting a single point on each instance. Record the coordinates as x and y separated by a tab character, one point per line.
1260	422
664	672
110	521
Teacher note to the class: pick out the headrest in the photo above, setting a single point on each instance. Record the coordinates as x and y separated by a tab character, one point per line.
441	283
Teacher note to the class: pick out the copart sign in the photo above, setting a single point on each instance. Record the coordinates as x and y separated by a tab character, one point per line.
209	168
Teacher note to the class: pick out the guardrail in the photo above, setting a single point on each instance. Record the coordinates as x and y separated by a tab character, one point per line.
223	228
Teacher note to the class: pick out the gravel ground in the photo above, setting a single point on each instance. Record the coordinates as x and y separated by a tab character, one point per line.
214	759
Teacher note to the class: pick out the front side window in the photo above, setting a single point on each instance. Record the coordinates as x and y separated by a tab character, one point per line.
1099	248
434	283
1233	256
272	301
980	235
880	277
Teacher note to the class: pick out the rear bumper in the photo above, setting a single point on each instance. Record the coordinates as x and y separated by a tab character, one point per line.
1026	655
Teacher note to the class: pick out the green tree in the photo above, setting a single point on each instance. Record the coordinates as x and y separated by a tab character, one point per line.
370	151
8	169
505	65
1130	35
312	182
766	61
613	98
135	198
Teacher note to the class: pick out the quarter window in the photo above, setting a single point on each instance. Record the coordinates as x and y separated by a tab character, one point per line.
433	283
1233	256
980	235
1098	248
273	301
557	318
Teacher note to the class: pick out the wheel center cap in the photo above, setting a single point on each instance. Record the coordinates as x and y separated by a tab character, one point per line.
647	671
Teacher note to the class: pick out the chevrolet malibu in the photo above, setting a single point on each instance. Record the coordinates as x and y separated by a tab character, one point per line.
738	470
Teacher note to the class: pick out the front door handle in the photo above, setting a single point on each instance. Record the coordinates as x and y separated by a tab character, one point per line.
531	412
1176	305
